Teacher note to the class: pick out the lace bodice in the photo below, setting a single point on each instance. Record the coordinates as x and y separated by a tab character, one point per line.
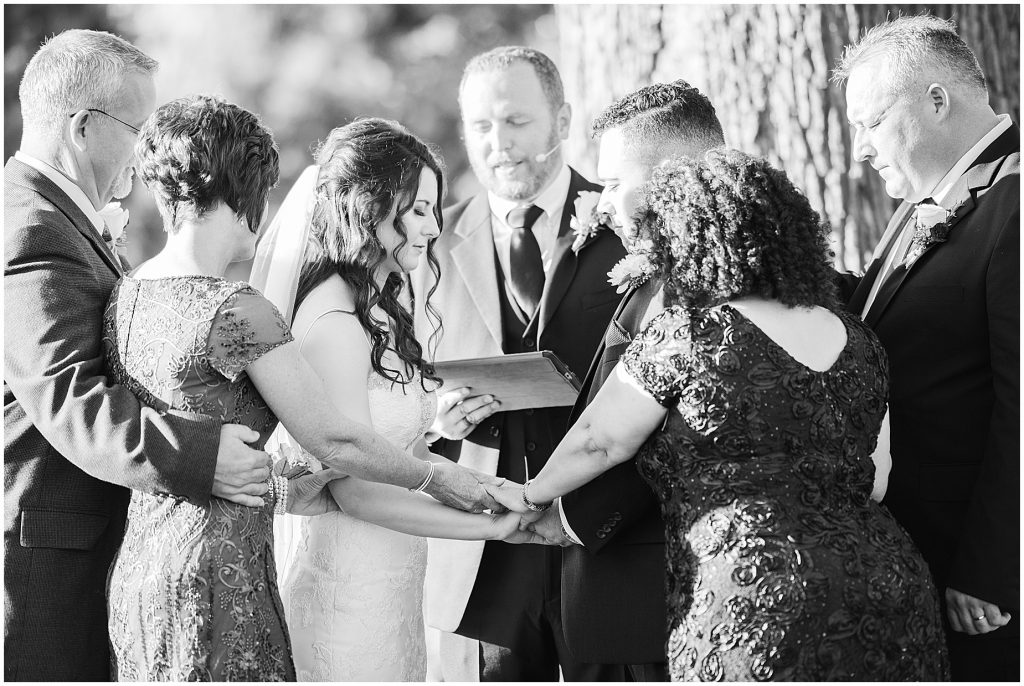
780	566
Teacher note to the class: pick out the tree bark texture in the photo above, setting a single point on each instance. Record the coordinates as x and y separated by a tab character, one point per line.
766	69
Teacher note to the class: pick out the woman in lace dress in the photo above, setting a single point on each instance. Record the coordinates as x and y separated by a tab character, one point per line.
365	216
755	404
193	590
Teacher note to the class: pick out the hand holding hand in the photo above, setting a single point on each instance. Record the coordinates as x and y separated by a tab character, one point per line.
973	616
309	496
549	526
510	495
462	488
459	411
241	473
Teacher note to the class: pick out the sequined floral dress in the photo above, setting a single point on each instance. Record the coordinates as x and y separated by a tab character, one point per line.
780	567
192	593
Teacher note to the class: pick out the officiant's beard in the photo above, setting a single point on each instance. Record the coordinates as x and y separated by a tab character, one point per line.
533	176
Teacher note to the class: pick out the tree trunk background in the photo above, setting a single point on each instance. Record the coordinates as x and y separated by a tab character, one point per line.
766	70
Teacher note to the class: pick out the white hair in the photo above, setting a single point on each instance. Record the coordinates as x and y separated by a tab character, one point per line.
75	70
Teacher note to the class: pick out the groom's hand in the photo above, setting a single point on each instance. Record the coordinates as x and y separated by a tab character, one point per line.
973	616
241	474
309	496
462	488
549	526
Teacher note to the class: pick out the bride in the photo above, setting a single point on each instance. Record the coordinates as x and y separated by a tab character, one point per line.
339	249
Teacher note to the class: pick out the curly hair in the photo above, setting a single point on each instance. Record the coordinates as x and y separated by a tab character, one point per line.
663	111
200	150
728	225
368	168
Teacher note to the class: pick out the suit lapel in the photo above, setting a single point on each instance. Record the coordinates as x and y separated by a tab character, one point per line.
885	246
562	257
26	176
960	200
476	270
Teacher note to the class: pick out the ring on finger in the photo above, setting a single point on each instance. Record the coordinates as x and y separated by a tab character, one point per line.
461	408
979	618
469	418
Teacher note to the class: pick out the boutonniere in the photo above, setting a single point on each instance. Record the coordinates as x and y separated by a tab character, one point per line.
634	269
115	218
587	220
932	224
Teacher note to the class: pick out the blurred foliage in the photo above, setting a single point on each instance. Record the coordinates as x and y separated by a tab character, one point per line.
304	68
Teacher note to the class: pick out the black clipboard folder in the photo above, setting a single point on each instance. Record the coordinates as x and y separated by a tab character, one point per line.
519	381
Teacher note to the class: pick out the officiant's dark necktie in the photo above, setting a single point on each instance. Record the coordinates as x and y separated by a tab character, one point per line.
525	261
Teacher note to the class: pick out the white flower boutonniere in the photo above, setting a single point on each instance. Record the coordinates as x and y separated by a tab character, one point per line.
587	219
634	269
932	224
116	220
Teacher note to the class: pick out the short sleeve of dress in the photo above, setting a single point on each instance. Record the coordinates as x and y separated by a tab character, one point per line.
658	359
245	327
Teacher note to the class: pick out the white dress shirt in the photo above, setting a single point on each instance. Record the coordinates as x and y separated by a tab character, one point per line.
552	201
69	187
938	194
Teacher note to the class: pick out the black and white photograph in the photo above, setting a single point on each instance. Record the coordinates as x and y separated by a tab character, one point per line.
511	342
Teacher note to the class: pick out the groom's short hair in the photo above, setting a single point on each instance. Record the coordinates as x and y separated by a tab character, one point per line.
916	47
504	57
75	70
663	113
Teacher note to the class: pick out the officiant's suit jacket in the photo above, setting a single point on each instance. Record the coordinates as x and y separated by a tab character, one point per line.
67	433
613	607
576	306
951	327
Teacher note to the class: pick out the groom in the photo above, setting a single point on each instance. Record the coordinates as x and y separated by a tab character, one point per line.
613	607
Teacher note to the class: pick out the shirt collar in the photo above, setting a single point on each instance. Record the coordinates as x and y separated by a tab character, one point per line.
70	188
943	187
551	199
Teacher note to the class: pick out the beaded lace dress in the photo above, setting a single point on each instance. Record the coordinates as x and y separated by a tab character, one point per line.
780	566
353	591
192	593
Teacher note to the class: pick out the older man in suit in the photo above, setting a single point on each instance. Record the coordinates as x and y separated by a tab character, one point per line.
943	295
73	441
613	610
511	281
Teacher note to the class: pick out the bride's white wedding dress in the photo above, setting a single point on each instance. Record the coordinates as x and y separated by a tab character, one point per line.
353	591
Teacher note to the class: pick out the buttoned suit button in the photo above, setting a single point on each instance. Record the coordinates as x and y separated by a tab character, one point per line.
530	446
529	343
602	534
495	431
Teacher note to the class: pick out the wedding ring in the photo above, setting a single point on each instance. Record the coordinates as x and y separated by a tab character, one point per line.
469	418
979	619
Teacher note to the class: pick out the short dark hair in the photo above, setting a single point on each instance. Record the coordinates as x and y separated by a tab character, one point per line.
910	43
729	224
673	111
199	150
505	56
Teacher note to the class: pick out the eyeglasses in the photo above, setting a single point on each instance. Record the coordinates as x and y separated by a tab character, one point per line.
93	109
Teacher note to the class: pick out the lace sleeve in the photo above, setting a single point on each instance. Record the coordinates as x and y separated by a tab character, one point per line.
658	358
246	327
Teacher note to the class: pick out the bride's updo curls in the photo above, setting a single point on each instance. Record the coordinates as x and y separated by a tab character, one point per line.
728	225
368	168
199	150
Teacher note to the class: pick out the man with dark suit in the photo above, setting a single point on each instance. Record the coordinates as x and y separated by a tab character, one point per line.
511	281
613	600
73	442
943	295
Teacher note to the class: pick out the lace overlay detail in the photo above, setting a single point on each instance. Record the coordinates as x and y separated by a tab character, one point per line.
193	590
780	567
353	591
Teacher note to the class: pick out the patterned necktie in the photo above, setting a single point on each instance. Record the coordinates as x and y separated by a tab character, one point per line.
525	261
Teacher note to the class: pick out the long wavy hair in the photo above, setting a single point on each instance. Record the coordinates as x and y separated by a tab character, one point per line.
728	225
368	168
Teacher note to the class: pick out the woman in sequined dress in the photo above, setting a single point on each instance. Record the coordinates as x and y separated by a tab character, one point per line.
755	404
192	593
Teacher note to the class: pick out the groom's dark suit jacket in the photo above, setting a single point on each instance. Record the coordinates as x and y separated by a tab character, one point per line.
67	433
613	589
951	327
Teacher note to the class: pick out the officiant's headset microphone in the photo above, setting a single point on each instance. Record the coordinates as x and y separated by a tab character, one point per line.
544	155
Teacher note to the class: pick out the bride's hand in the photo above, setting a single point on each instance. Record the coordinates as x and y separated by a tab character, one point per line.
505	528
459	411
508	494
